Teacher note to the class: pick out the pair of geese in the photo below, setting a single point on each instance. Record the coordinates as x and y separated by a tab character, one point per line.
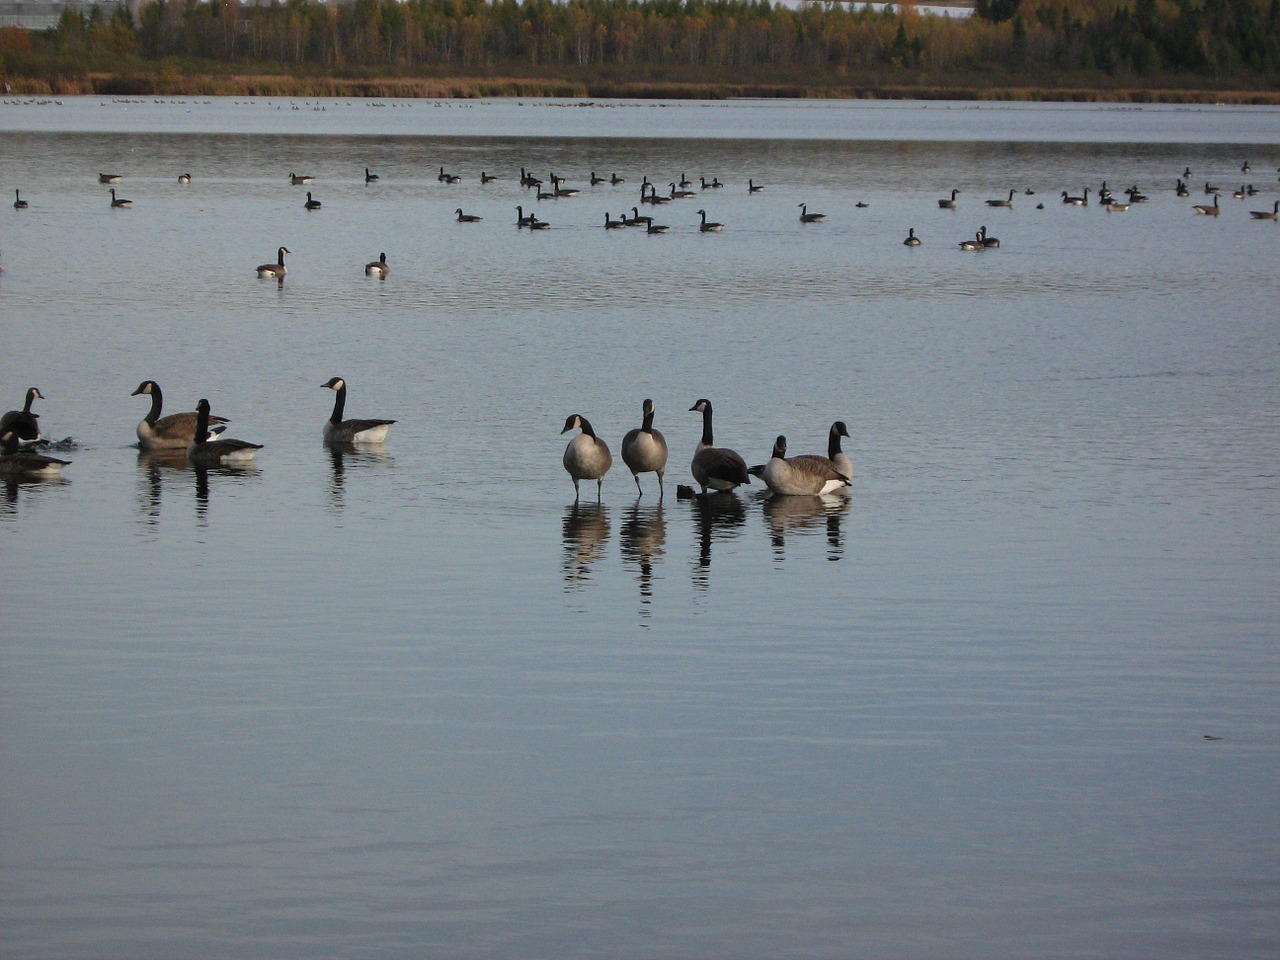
644	450
199	433
277	270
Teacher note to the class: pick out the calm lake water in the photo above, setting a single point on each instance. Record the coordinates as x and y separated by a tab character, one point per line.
415	701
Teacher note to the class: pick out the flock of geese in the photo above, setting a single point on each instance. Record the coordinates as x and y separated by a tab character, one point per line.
199	434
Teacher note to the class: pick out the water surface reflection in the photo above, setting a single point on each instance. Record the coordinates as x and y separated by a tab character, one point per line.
786	516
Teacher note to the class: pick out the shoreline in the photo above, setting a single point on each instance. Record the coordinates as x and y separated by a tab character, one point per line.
167	83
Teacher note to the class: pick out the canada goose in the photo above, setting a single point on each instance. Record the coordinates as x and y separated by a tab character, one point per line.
835	456
800	476
974	244
311	204
369	177
1186	172
109	178
949	204
25	463
536	224
449	177
753	188
681	194
644	450
685	181
587	457
1210	188
1239	194
649	194
1263	215
656	227
989	243
18	202
526	179
1076	201
614	179
377	268
119	201
1245	168
595	180
613	224
298	179
1116	206
1104	195
716	467
203	452
24	423
637	219
337	430
184	178
467	217
522	220
1211	210
174	431
709	226
1002	203
1181	189
912	240
541	194
807	217
487	177
562	191
274	271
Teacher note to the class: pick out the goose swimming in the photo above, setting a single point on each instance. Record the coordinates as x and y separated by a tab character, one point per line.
337	430
175	431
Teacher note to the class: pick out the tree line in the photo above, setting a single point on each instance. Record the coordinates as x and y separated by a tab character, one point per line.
1188	41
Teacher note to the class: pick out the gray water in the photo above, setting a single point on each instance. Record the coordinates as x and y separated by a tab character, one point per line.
413	701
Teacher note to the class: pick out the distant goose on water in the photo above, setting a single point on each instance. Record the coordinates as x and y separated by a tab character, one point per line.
709	226
109	178
24	423
1211	210
949	204
753	187
119	201
807	217
274	271
369	177
1002	203
18	202
912	240
311	204
1264	215
184	178
298	179
337	430
377	268
467	217
15	462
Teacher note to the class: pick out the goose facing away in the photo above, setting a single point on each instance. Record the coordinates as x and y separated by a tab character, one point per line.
949	204
800	476
175	431
1002	203
912	240
203	452
24	423
716	467
119	201
274	271
377	268
709	226
587	457
25	463
753	187
807	217
184	178
644	450
337	430
311	204
1209	209
835	456
18	202
1274	214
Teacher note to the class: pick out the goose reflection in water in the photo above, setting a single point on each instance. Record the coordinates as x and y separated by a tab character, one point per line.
152	466
585	533
785	516
343	456
718	518
643	540
233	473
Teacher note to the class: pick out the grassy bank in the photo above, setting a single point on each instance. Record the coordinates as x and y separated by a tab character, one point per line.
168	83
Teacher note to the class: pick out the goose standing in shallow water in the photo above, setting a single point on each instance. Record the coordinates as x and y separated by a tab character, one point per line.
716	467
25	463
119	201
175	431
202	452
644	450
337	430
800	476
24	423
835	456
587	457
18	202
377	268
912	240
274	271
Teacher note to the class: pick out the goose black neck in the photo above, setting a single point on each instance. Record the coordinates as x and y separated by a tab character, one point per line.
31	395
202	422
585	425
833	444
157	404
706	426
647	426
339	403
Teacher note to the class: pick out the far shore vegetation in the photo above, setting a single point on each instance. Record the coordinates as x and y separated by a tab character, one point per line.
1137	51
